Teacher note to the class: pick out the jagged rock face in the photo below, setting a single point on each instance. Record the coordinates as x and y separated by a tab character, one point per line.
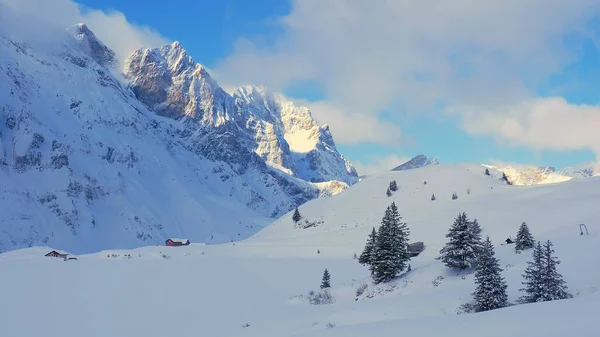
86	166
524	175
284	136
416	162
93	47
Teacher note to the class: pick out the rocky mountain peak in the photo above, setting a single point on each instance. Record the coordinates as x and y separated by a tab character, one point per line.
92	46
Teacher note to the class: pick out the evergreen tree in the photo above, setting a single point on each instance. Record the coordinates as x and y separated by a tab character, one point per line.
388	193
524	238
326	280
490	290
296	217
487	172
366	257
556	287
393	186
433	197
534	280
391	253
542	280
460	250
454	196
475	230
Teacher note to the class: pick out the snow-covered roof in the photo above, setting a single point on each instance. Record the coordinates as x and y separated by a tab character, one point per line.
178	240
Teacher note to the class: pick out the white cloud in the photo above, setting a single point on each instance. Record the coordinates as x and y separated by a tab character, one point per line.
350	128
543	123
39	20
373	55
379	164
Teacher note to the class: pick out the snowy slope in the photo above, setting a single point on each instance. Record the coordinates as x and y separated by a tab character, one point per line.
584	170
346	219
85	166
218	290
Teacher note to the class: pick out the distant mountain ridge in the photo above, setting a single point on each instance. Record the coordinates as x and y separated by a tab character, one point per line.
416	162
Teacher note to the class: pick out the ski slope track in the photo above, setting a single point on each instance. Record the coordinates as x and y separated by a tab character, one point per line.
252	287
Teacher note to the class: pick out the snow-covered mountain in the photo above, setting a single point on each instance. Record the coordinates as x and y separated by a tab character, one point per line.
585	170
89	163
416	162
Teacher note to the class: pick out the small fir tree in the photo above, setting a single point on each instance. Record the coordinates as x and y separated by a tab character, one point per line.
296	217
391	253
542	280
433	197
524	238
490	290
326	280
454	196
487	172
366	257
393	186
388	193
556	287
460	250
475	230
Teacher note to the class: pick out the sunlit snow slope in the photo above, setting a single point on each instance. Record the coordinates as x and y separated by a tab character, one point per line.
250	288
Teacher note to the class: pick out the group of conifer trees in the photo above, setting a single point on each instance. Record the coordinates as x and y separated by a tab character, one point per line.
465	249
386	251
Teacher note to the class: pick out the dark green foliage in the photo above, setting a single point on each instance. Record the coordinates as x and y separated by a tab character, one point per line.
366	257
454	196
524	238
490	290
487	172
388	193
433	197
542	280
326	280
460	250
391	251
296	217
393	186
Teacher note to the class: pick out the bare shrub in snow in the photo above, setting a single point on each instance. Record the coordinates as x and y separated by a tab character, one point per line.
321	297
361	289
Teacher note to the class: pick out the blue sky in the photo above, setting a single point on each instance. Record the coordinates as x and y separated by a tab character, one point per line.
246	41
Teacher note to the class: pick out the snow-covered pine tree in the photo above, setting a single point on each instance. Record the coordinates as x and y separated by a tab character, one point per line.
393	186
542	280
326	280
459	251
533	279
524	238
391	253
433	197
555	286
475	230
296	217
490	290
454	196
388	193
487	172
366	257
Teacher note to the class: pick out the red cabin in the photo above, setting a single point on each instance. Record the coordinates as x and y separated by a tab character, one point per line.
177	242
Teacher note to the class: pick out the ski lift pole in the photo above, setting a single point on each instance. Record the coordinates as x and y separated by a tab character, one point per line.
582	227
